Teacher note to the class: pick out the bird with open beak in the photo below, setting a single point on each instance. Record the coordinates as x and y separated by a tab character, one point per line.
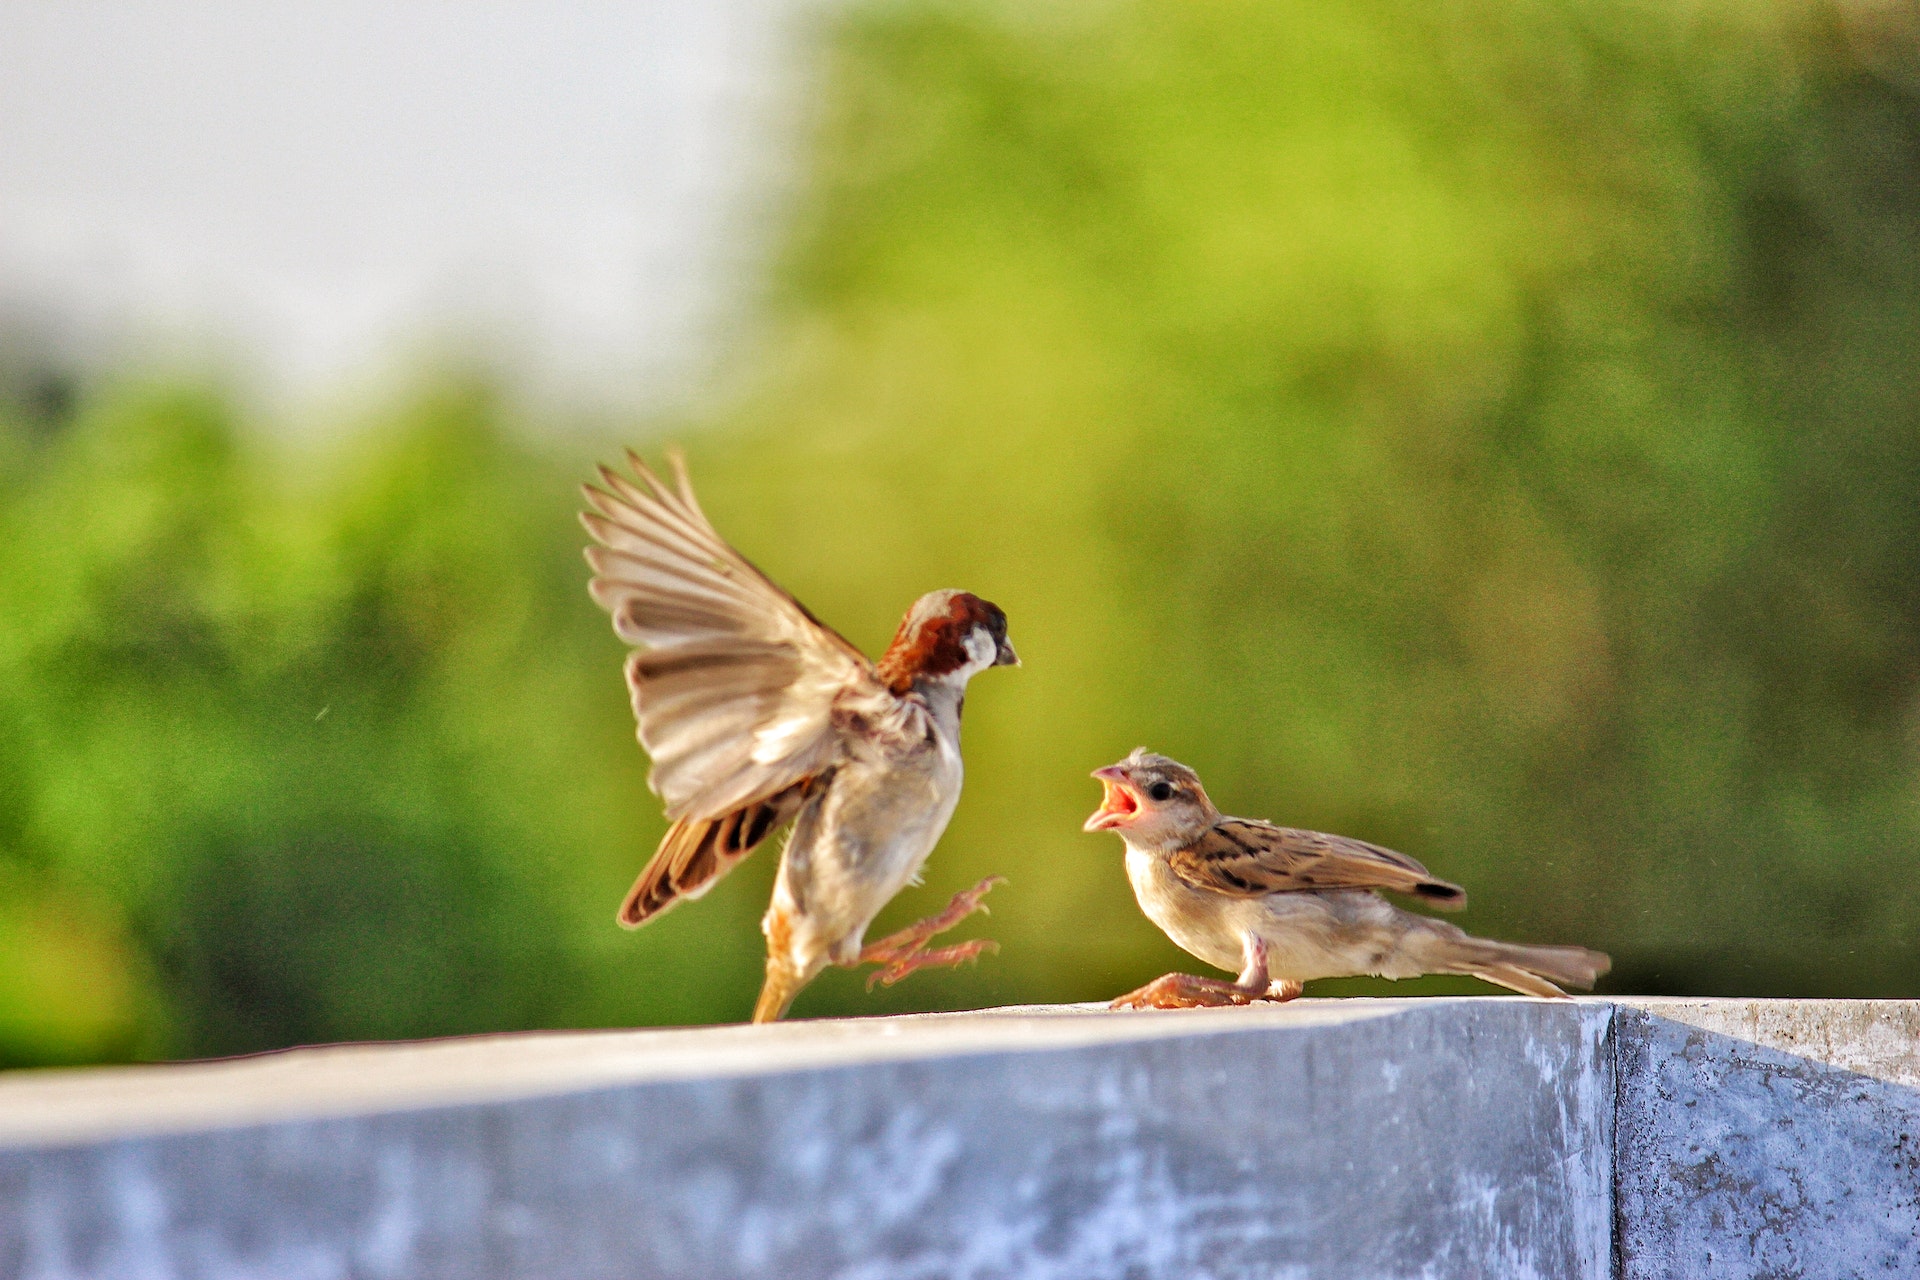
1282	907
757	714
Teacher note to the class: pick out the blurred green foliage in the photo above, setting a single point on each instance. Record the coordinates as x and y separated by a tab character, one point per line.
1492	430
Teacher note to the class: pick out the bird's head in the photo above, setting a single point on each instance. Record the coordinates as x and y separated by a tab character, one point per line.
947	637
1153	802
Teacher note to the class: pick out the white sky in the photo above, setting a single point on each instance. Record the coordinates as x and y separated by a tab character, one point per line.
320	190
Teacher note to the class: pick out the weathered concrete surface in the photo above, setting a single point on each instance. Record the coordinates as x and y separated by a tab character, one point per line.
1497	1137
1352	1138
1769	1138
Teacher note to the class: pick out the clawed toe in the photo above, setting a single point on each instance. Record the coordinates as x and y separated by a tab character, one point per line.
1190	991
899	954
1183	991
957	954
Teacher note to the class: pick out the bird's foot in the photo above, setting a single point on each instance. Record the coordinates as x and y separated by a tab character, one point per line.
899	954
1189	991
959	953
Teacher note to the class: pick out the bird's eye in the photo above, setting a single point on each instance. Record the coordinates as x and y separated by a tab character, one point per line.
1160	791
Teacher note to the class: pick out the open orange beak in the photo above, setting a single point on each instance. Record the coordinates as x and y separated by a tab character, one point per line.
1120	804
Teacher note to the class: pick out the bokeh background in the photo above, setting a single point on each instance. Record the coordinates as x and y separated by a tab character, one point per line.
1490	429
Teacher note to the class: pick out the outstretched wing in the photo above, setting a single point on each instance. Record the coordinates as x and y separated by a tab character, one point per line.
737	688
1245	858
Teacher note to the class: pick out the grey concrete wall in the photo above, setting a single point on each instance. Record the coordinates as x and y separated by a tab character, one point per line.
1739	1157
1368	1138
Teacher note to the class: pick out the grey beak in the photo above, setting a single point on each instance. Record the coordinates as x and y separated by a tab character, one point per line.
1006	657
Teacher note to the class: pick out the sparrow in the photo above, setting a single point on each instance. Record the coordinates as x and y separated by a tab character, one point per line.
1283	907
756	714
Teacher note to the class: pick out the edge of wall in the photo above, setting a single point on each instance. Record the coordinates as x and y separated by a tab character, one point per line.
1440	1137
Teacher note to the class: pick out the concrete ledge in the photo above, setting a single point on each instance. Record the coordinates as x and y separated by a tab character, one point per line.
1354	1137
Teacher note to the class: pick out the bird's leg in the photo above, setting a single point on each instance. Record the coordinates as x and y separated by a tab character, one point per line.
899	954
1257	982
1188	991
1253	975
915	936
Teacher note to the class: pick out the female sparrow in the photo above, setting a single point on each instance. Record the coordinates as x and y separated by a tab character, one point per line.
756	714
1285	907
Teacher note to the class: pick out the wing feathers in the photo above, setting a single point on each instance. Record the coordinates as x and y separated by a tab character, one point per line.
639	523
678	569
704	710
696	853
1245	858
734	683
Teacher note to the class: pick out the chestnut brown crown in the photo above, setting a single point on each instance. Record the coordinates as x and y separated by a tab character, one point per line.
946	633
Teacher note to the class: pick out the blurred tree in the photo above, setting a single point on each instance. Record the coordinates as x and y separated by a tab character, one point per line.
335	745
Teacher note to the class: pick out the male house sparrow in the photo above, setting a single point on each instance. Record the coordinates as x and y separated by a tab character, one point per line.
756	713
1285	907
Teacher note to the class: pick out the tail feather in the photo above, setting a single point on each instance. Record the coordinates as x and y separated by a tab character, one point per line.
1514	978
1530	970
